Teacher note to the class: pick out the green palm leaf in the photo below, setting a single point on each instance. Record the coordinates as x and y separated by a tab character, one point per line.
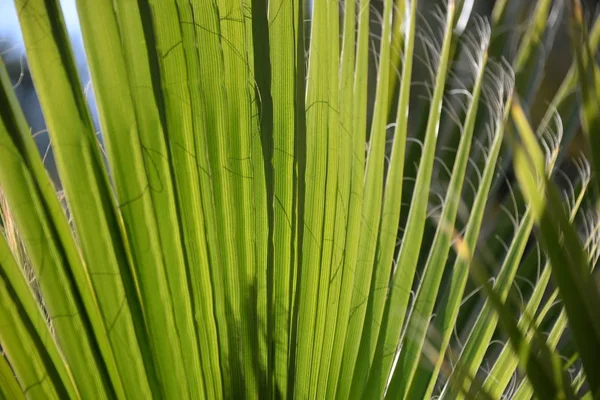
279	213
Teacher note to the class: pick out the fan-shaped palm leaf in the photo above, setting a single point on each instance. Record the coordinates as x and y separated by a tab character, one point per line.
269	220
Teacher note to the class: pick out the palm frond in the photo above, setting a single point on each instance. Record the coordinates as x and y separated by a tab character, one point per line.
286	205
